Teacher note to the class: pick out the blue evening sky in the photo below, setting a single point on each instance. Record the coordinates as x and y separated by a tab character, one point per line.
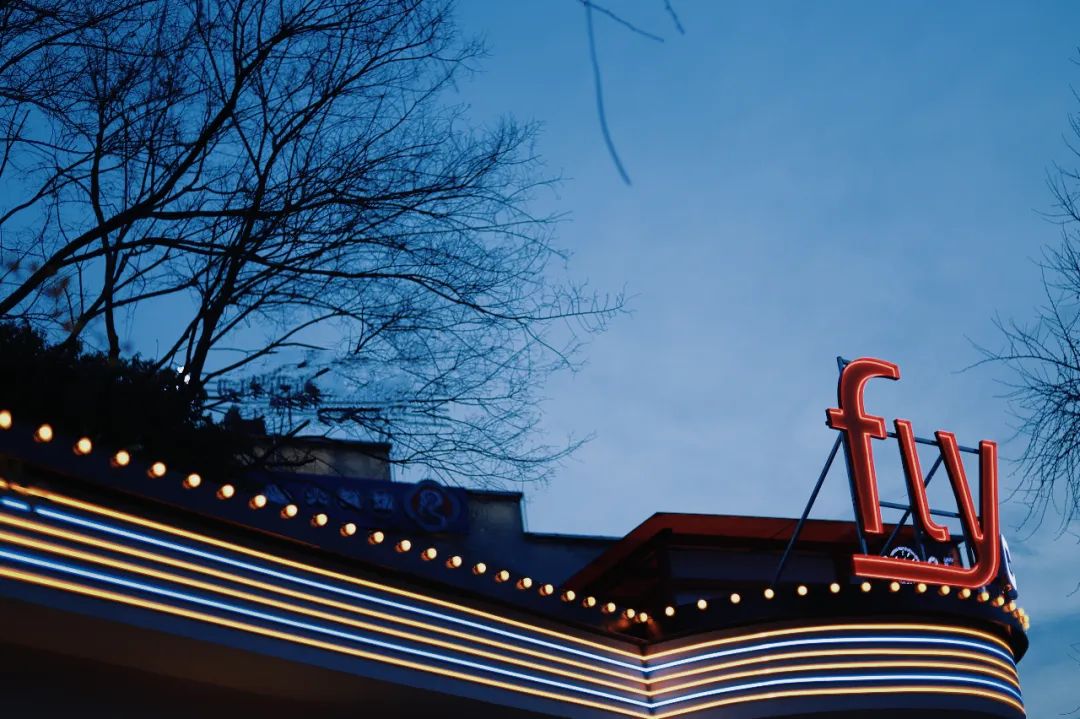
810	179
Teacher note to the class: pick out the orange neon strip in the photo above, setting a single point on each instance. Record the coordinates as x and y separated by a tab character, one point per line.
46	581
254	629
828	628
218	589
947	653
239	579
132	519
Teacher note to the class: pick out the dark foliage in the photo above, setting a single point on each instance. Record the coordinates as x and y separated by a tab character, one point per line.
126	403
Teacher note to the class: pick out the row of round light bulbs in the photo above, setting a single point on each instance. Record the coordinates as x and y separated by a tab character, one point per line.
122	458
865	587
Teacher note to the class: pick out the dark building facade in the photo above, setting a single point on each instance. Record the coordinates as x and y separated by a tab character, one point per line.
134	589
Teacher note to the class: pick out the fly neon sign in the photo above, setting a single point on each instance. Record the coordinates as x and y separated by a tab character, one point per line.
981	530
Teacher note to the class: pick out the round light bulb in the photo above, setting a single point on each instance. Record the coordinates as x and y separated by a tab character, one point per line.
44	433
479	568
348	529
84	446
192	481
289	511
5	419
454	562
769	592
669	611
702	604
157	470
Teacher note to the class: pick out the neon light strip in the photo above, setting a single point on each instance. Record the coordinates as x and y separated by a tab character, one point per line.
786	656
175	531
772	633
138	569
832	666
61	516
246	566
294	594
46	581
306	626
70	553
220	621
805	693
244	550
853	679
194	599
681	649
827	640
15	504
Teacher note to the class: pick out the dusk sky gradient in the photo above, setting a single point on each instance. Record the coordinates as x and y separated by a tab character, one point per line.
809	179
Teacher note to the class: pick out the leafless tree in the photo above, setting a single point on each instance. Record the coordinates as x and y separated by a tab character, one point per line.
286	181
1044	358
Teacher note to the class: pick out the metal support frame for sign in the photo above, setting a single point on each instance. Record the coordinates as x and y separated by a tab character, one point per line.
859	529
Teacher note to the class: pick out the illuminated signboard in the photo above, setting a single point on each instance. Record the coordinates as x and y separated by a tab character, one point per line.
981	530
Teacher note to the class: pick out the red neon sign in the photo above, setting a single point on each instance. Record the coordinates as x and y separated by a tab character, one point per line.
982	529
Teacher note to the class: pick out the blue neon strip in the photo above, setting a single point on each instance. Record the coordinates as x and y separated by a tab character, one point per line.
153	589
327	587
839	639
15	504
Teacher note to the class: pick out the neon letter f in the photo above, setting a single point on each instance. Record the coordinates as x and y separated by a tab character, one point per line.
859	427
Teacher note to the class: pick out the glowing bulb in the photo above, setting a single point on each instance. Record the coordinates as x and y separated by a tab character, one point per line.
702	604
376	537
289	511
865	586
502	575
454	562
5	419
894	586
944	590
669	611
569	595
226	491
629	613
319	520
403	546
157	470
983	596
834	588
965	593
479	568
258	501
769	592
192	481
802	591
524	583
428	554
44	433
920	588
589	602
998	601
642	617
609	608
735	598
546	590
348	529
83	447
121	459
